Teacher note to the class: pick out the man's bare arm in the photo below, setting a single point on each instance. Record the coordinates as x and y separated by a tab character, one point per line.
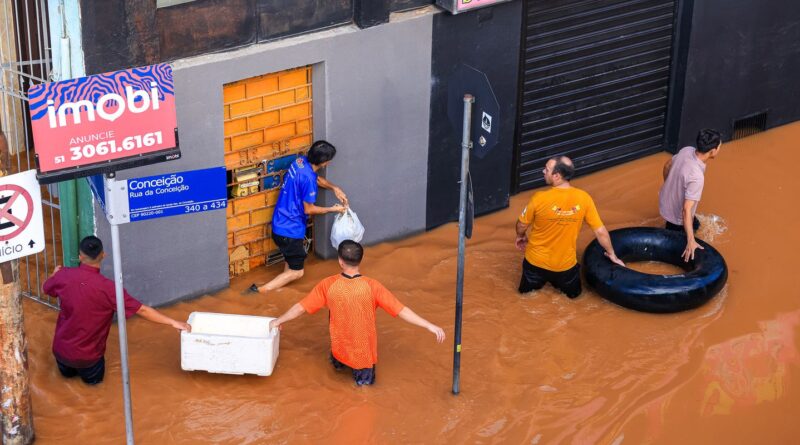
311	209
293	312
688	227
667	167
522	237
605	241
155	316
337	191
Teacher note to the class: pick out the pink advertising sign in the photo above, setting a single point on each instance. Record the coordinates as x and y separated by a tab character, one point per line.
104	123
464	5
456	6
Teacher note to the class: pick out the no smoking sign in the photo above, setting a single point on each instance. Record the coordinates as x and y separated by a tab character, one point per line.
21	227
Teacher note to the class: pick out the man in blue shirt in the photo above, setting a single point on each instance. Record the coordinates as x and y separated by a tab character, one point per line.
295	205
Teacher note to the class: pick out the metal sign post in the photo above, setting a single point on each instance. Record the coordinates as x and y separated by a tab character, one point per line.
101	124
136	199
462	216
111	184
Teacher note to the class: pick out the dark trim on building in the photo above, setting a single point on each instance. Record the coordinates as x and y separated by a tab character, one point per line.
368	13
405	5
513	183
283	18
119	34
677	86
485	42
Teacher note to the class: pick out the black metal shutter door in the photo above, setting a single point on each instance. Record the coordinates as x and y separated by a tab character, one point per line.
595	83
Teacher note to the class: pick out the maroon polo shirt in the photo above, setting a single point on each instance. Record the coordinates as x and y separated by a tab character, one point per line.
88	304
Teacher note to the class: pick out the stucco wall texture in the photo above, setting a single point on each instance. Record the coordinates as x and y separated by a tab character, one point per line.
371	99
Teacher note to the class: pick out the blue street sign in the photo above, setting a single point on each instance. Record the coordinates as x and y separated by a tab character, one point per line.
97	186
158	196
177	193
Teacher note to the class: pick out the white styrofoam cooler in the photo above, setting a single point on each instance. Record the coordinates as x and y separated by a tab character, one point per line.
229	344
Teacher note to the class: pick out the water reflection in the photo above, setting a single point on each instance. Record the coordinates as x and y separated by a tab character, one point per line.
750	369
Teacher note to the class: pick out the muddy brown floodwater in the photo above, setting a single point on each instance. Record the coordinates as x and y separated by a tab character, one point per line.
536	369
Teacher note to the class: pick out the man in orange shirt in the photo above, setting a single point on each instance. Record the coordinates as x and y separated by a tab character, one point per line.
352	300
556	216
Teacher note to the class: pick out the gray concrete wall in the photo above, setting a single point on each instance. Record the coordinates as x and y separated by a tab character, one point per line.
371	94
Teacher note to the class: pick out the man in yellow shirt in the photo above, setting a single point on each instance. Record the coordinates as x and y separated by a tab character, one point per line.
556	216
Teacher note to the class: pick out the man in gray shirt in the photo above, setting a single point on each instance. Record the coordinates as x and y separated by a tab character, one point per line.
684	176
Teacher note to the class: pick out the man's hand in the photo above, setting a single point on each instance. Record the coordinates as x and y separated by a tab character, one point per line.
337	208
274	325
437	331
614	259
181	326
691	246
340	195
521	242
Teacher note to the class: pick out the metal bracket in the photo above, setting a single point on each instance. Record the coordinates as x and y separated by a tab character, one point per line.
117	206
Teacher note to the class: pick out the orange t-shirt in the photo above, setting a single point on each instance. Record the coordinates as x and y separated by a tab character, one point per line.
352	303
557	215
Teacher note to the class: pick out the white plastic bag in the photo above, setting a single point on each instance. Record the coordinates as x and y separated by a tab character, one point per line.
346	226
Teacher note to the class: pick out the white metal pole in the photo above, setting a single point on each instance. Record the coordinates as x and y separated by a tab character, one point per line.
121	321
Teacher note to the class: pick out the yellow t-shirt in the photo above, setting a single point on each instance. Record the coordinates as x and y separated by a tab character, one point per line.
557	215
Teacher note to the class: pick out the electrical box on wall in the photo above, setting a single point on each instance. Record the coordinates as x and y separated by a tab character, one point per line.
459	6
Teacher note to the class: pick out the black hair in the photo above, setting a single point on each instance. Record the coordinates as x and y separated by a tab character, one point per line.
351	252
91	246
320	152
707	140
563	167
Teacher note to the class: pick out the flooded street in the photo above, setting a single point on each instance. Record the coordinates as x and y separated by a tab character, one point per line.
536	369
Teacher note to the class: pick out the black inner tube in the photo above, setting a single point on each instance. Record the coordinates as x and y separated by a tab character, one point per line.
703	277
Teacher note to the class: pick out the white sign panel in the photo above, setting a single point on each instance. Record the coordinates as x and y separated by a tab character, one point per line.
21	227
486	122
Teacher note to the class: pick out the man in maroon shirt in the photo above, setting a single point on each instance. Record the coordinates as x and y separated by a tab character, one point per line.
88	304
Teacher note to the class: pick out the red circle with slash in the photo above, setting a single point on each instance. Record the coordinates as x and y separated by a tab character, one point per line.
5	210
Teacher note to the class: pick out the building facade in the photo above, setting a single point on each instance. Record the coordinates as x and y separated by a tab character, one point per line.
258	81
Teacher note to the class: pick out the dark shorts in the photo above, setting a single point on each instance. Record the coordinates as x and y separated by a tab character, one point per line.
568	281
364	376
292	249
91	375
677	228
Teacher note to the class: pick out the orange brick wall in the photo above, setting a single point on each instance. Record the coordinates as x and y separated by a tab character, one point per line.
266	117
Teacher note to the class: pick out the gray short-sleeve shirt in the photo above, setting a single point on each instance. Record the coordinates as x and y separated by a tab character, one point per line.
685	181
